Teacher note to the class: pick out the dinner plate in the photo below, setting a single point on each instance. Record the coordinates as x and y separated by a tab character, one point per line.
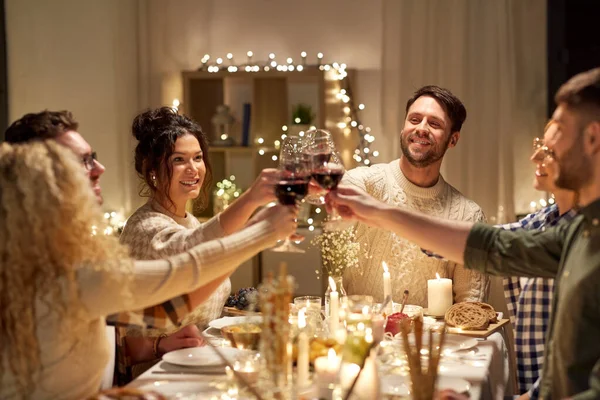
180	389
226	321
398	385
452	343
201	356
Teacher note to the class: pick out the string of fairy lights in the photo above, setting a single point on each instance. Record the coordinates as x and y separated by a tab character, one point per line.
349	121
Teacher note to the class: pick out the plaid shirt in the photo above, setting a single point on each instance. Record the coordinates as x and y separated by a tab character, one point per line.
529	302
162	316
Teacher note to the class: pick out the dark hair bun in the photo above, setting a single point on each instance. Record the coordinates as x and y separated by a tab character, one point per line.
147	124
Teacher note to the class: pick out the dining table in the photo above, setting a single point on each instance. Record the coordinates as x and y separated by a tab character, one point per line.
484	365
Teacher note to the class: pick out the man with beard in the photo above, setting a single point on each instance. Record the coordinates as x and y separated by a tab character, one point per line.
434	117
569	253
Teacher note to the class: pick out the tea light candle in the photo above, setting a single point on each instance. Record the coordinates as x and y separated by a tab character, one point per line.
326	373
334	308
439	295
303	349
387	287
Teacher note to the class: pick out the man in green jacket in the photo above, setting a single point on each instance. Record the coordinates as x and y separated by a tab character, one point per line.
570	253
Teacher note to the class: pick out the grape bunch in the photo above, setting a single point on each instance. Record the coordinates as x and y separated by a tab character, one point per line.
245	299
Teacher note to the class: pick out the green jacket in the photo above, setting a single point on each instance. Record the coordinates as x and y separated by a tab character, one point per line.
570	253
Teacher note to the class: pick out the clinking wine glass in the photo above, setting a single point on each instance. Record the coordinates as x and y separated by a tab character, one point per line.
292	186
327	169
310	137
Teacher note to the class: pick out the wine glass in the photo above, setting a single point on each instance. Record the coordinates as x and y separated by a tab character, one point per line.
327	169
317	199
292	187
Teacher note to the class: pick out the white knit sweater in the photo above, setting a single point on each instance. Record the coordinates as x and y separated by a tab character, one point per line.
153	233
409	267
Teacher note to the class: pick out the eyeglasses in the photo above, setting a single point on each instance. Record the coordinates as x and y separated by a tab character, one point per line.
538	146
89	161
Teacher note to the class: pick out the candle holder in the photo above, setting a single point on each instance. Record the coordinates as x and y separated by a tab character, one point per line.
275	344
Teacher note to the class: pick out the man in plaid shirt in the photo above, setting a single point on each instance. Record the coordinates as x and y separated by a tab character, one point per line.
529	300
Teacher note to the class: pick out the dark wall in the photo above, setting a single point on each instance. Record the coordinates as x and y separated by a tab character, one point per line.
573	41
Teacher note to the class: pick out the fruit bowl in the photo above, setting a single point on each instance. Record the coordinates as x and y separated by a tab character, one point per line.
242	336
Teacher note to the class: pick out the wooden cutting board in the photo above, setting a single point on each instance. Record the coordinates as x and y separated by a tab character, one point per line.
479	334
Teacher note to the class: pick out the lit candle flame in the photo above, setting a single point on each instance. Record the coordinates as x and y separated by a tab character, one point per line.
332	284
331	355
437	276
176	103
302	318
385	266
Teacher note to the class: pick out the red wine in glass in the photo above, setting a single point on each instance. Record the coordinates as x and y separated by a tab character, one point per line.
328	179
291	191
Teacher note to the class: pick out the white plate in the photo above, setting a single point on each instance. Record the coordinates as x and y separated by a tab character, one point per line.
226	321
174	389
201	356
398	385
452	343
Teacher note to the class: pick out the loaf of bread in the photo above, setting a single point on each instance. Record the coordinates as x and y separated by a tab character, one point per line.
471	315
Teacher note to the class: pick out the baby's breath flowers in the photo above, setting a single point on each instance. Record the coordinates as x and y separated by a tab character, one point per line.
339	250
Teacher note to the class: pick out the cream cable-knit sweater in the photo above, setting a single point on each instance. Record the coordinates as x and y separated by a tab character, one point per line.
409	267
153	233
72	368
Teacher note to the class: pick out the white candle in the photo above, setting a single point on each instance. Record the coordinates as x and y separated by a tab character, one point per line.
439	295
303	349
367	386
387	287
326	373
334	308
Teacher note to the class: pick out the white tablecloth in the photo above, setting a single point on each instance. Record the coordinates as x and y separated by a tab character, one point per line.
487	371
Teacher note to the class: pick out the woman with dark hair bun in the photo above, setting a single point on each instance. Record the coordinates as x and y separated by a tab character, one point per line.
172	158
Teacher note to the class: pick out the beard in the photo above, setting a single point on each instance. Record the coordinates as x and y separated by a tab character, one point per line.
424	159
574	168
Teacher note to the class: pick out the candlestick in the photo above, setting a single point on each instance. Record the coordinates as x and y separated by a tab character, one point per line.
303	55
303	350
334	307
439	295
387	287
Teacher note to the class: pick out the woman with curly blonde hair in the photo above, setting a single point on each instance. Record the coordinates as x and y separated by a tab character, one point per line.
58	280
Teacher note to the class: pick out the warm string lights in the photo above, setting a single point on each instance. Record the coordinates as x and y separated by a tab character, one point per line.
542	203
114	222
351	110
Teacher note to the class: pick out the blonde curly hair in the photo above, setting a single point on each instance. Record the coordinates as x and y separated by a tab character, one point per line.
47	211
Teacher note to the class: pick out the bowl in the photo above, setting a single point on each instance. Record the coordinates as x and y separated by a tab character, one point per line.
242	336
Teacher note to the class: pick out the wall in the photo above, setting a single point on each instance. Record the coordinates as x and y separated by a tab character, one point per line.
80	56
107	60
179	33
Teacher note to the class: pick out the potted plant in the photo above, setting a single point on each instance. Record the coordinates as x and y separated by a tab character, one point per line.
302	118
